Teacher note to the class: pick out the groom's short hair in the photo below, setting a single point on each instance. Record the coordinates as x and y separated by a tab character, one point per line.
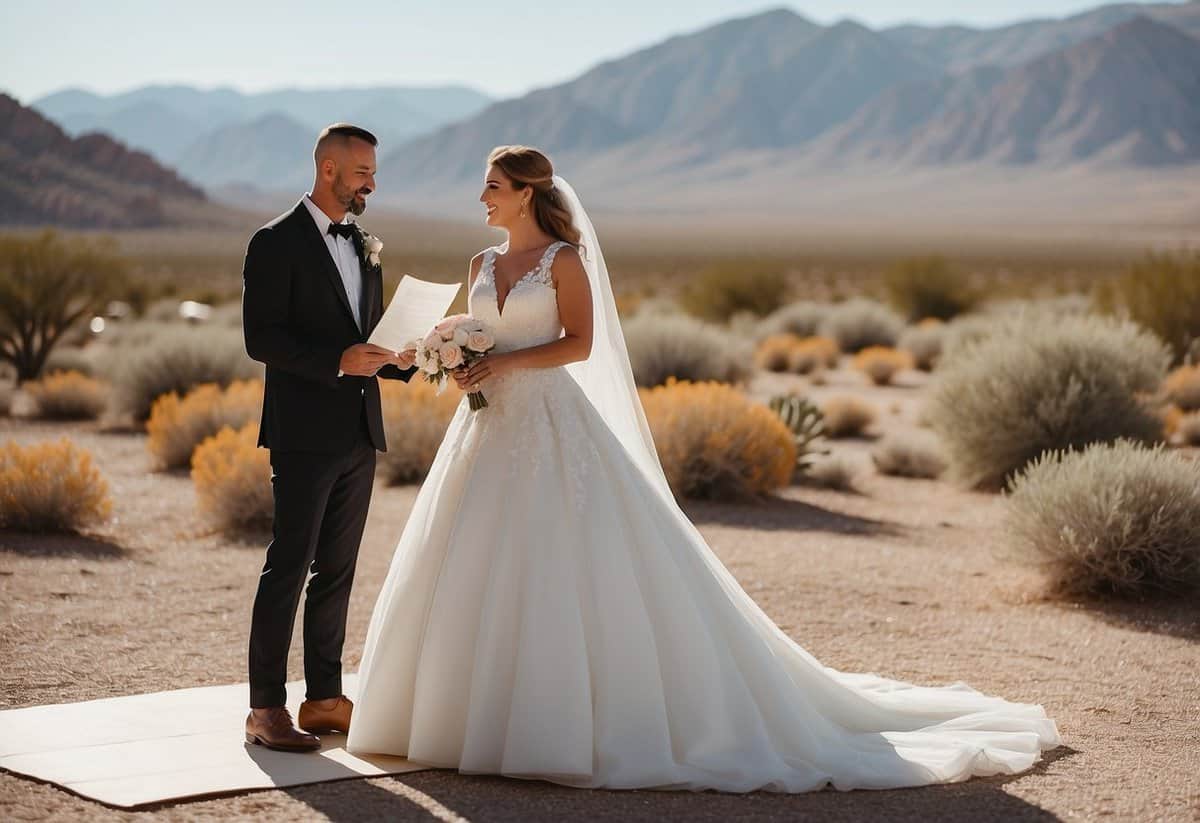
340	132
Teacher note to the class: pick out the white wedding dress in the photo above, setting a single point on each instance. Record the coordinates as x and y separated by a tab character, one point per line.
550	614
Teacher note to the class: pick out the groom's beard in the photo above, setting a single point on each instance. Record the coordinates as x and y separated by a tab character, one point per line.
353	201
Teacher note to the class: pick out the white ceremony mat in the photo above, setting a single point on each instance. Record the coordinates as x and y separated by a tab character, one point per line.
148	748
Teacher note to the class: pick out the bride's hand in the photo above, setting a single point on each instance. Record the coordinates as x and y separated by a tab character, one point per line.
460	377
486	368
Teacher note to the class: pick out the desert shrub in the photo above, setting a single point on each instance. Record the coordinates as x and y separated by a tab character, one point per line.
178	425
68	395
801	318
813	353
924	343
1162	294
69	358
228	315
724	289
834	471
716	444
910	455
882	363
1182	387
232	478
50	487
48	285
1188	429
859	323
1112	518
846	416
927	287
682	347
1073	305
963	332
775	352
415	417
1001	402
178	361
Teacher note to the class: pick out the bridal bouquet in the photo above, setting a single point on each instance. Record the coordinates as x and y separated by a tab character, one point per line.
458	340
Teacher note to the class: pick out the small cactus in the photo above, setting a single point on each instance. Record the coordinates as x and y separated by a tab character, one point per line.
806	423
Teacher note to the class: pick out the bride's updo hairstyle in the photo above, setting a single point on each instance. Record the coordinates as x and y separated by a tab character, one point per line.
527	166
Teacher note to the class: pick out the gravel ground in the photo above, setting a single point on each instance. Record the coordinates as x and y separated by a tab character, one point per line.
906	578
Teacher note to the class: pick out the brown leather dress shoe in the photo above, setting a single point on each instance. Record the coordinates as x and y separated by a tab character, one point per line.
315	719
275	731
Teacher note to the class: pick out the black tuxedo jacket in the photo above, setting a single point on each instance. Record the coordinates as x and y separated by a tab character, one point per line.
297	320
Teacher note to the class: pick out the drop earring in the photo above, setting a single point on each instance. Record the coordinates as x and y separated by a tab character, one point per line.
522	208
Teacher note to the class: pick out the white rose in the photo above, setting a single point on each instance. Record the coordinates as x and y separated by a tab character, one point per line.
479	341
432	341
460	336
373	244
451	355
432	366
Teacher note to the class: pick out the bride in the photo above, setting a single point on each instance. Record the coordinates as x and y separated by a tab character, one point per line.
551	613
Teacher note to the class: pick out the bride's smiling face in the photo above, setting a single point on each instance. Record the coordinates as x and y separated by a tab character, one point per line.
502	199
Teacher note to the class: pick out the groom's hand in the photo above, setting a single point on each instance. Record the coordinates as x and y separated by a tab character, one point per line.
406	358
364	359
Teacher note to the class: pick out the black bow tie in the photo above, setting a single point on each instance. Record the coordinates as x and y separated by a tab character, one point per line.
342	230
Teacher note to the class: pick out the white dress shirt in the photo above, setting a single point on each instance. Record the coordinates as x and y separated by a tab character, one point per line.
341	249
344	255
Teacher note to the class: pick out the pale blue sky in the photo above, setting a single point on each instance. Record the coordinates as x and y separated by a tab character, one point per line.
503	48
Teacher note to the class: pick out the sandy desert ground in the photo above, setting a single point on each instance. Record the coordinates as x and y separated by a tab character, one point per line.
908	578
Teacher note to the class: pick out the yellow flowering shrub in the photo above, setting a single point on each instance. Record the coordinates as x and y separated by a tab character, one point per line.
813	353
177	425
68	395
716	444
1182	387
846	416
51	487
232	477
882	363
415	419
775	352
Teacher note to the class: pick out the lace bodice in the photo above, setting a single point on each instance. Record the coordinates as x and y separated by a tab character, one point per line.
530	315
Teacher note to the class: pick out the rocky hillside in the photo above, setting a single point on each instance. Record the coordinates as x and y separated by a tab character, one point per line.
89	181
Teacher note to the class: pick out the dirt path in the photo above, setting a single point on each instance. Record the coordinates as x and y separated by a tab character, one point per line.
902	579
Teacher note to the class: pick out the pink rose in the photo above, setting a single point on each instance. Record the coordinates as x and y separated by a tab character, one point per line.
432	366
452	356
479	341
432	341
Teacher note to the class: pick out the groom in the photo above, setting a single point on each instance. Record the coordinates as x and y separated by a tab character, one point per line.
312	294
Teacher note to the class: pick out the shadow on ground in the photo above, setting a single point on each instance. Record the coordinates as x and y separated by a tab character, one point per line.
59	545
1174	616
779	513
442	794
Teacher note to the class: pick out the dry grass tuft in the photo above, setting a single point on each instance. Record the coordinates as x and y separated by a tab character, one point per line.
50	487
68	395
716	444
1114	518
881	363
232	477
913	455
415	419
178	425
847	416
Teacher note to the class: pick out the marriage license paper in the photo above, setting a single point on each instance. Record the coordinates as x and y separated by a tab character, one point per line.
416	307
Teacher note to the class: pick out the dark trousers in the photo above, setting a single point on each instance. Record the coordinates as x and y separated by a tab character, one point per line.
321	505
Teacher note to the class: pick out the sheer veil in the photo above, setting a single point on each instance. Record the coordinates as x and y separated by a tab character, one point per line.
606	376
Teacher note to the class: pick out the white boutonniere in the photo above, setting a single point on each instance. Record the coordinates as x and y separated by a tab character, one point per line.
373	246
